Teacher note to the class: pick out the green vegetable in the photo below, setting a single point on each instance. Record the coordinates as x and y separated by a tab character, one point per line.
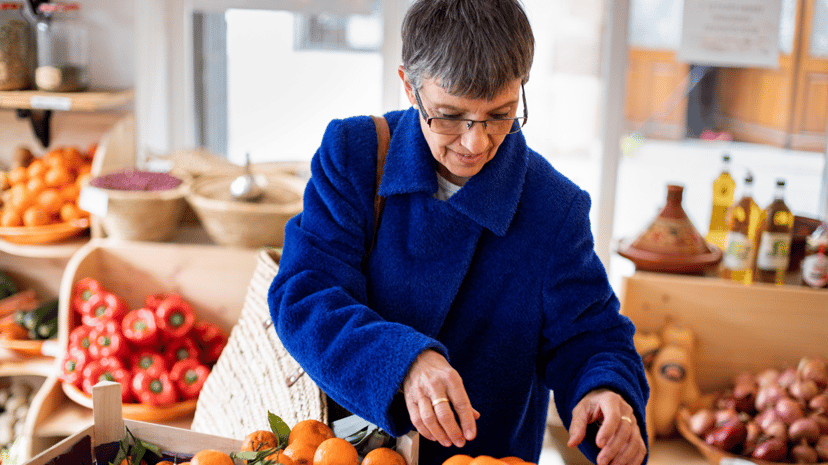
46	329
7	286
40	314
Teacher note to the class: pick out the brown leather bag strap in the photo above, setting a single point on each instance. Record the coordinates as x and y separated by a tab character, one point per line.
383	141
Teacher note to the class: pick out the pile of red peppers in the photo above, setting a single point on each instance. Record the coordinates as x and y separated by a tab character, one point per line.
160	353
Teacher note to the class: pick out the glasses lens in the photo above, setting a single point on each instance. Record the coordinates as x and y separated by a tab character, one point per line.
448	126
457	127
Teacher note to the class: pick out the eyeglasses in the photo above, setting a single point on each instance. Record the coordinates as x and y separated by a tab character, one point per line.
456	126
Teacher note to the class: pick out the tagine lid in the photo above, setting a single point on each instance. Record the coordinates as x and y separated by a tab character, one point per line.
671	243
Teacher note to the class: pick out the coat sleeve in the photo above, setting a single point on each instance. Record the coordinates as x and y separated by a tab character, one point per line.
587	343
318	299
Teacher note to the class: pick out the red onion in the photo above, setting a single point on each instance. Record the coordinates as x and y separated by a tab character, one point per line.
822	447
819	402
786	378
702	422
822	420
814	369
767	376
788	410
777	430
804	429
804	389
803	453
768	396
772	450
766	417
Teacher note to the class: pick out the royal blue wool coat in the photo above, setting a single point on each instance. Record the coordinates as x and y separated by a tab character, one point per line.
502	279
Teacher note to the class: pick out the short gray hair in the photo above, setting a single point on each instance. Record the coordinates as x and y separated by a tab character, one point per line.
473	48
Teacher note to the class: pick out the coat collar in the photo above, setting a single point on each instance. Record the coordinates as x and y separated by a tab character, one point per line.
490	198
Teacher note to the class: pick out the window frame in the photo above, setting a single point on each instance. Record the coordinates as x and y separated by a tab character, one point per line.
164	89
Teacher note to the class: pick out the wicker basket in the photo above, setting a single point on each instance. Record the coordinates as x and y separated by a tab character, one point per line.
255	374
246	224
144	215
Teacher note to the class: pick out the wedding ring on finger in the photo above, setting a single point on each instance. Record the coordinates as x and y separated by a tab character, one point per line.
438	401
627	419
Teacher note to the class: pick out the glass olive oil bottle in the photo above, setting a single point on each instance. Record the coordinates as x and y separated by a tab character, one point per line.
724	188
773	251
742	223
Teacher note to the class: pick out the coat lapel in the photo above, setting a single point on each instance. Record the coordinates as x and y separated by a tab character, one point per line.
425	246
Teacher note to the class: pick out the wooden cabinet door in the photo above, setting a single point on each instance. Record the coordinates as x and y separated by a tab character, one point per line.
810	112
656	93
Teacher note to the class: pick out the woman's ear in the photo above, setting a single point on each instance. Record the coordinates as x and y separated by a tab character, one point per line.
409	91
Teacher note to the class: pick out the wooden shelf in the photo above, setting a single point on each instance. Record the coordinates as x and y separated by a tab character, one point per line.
69	418
14	365
79	101
63	249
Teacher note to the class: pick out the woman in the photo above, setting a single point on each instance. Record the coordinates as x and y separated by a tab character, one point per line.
482	291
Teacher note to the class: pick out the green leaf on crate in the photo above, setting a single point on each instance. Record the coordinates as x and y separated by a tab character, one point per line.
279	428
134	448
255	457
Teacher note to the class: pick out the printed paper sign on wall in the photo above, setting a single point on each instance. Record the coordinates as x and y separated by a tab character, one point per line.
732	33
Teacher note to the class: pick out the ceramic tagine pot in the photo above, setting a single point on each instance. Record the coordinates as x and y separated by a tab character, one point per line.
670	243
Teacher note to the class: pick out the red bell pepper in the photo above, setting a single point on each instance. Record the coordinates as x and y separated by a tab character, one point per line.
148	361
83	290
72	368
189	376
139	327
107	340
106	369
154	388
181	349
79	339
104	306
175	316
210	339
154	300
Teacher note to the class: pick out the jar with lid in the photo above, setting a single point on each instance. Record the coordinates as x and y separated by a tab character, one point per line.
62	49
16	51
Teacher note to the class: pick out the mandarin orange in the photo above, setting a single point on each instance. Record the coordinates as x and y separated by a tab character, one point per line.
486	460
383	456
37	168
50	201
458	459
18	175
512	460
211	457
262	440
336	451
298	453
311	432
10	218
35	216
57	176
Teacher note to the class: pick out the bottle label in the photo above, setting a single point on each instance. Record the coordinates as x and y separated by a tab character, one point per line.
774	251
737	251
815	270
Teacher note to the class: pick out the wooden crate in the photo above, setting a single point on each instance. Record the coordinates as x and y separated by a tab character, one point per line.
737	327
214	280
109	428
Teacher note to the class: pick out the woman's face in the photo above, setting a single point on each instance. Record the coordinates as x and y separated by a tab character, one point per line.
460	157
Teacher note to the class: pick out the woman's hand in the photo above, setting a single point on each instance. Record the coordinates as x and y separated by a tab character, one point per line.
618	437
433	394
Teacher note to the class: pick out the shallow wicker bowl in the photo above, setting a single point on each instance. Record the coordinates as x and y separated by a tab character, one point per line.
247	224
144	215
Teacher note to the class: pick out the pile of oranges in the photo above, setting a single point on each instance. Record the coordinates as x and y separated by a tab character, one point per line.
462	459
45	190
312	442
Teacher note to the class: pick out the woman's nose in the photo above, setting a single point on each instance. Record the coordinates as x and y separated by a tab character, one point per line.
476	140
